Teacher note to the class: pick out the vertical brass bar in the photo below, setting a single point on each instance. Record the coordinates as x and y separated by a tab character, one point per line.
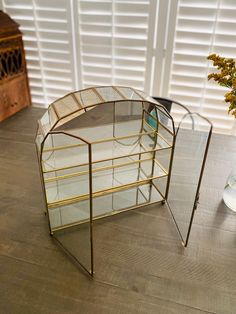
99	95
154	152
77	101
44	189
119	92
155	143
112	161
56	174
39	157
139	155
91	205
170	167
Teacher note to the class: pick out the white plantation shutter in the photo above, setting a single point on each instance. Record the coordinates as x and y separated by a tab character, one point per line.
48	41
95	28
159	46
203	27
114	41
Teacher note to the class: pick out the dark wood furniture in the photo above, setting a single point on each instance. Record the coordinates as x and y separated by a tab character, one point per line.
14	87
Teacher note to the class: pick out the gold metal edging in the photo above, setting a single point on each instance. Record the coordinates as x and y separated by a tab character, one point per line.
83	197
77	101
107	159
158	134
113	213
94	89
99	141
71	175
158	121
119	92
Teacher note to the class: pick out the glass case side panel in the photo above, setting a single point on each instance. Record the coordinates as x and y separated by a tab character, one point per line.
166	138
48	120
66	168
144	96
87	97
69	121
191	146
156	111
129	93
150	101
163	160
94	125
66	106
123	199
127	118
108	93
164	118
151	123
161	184
39	139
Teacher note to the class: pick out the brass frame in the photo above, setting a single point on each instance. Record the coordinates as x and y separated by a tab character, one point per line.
154	133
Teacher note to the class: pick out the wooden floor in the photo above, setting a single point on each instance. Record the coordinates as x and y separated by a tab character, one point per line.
140	264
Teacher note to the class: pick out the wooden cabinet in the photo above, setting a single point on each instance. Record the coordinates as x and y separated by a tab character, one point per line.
14	87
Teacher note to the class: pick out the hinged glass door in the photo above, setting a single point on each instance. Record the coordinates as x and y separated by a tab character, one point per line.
191	146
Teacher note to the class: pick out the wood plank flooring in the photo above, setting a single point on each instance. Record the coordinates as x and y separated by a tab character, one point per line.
140	264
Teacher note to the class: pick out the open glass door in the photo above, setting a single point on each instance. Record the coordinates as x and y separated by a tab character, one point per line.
191	146
67	181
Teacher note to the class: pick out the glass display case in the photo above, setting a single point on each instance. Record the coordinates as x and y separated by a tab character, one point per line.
106	150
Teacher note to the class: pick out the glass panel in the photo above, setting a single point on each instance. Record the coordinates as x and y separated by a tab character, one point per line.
39	139
124	199
130	112
154	113
129	93
108	93
65	183
65	168
87	97
48	120
151	123
161	184
65	121
190	149
178	112
66	105
76	240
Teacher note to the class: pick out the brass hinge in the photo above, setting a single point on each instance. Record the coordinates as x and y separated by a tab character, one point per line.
196	201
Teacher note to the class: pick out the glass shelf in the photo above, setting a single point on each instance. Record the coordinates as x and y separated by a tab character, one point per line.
103	205
73	187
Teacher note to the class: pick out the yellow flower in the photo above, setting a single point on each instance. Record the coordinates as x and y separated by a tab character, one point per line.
234	83
226	77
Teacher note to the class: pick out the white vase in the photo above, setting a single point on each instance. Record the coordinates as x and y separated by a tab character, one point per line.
229	194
